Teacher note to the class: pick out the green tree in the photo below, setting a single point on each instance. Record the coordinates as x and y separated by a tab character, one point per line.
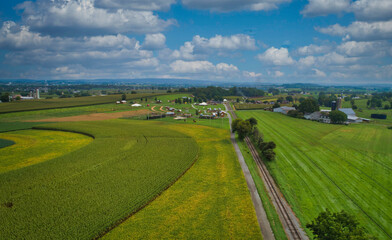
337	226
337	116
269	154
252	121
124	97
295	114
289	98
276	105
234	124
309	105
5	97
244	129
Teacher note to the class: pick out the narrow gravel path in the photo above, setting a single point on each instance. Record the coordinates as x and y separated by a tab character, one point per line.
264	224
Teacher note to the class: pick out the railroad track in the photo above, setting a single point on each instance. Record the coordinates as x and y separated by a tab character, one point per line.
290	223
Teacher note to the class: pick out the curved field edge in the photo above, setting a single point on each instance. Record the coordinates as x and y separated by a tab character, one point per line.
338	167
34	147
6	143
90	190
210	201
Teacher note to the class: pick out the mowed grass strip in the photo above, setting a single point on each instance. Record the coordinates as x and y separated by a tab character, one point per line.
32	147
211	200
85	192
338	167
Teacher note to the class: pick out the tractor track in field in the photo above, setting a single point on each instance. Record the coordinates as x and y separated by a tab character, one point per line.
289	221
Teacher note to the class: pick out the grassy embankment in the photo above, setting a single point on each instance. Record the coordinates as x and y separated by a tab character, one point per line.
84	192
211	201
338	167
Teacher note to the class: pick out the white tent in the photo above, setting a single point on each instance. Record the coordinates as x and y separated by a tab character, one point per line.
136	105
203	104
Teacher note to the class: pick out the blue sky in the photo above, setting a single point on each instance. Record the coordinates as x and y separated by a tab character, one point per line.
265	41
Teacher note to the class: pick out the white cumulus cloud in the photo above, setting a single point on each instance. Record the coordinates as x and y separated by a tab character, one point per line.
361	31
234	5
275	56
75	17
325	7
199	67
154	41
147	5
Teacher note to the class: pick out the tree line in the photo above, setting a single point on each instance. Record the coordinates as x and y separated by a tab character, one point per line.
247	128
218	93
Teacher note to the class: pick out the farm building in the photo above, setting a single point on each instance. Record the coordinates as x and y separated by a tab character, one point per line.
283	109
136	105
171	114
203	104
320	116
351	116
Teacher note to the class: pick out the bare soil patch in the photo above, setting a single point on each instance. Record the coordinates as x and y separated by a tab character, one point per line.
94	116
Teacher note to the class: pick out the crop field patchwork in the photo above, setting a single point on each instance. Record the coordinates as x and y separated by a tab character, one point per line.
211	200
87	191
338	167
39	104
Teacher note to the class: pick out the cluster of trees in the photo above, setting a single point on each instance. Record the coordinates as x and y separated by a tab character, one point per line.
247	128
295	114
337	226
183	100
309	105
378	99
218	93
326	100
274	91
337	117
5	97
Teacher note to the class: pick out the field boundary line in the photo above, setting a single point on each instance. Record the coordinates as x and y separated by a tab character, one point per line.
122	220
61	130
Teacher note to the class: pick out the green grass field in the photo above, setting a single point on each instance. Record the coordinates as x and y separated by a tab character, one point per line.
211	201
86	191
338	167
29	105
251	106
12	126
